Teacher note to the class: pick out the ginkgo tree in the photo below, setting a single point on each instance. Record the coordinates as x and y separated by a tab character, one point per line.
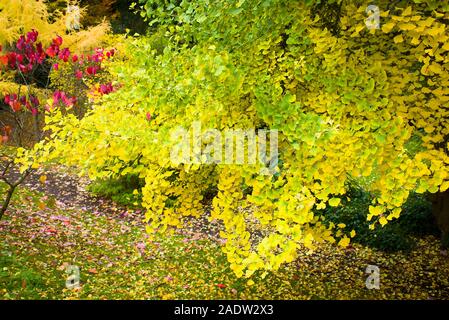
349	99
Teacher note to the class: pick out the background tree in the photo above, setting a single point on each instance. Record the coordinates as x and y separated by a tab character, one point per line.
25	83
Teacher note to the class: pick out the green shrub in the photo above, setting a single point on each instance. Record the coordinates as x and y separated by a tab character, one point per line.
416	220
120	190
417	217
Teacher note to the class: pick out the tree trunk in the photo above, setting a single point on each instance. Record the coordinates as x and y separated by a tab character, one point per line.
440	209
11	189
7	200
37	130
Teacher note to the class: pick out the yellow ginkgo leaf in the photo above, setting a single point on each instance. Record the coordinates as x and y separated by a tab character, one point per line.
396	212
42	179
435	68
435	31
407	11
388	27
359	28
407	26
398	39
308	240
344	242
41	205
444	186
334	202
321	205
375	211
415	41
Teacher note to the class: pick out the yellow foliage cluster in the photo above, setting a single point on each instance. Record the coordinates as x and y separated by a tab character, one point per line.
20	16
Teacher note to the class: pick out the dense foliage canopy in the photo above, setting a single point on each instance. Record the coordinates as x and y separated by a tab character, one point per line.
351	102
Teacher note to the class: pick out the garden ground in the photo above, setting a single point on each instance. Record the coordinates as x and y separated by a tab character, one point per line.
53	222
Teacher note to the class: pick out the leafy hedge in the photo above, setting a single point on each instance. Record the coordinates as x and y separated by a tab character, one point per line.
122	190
416	220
